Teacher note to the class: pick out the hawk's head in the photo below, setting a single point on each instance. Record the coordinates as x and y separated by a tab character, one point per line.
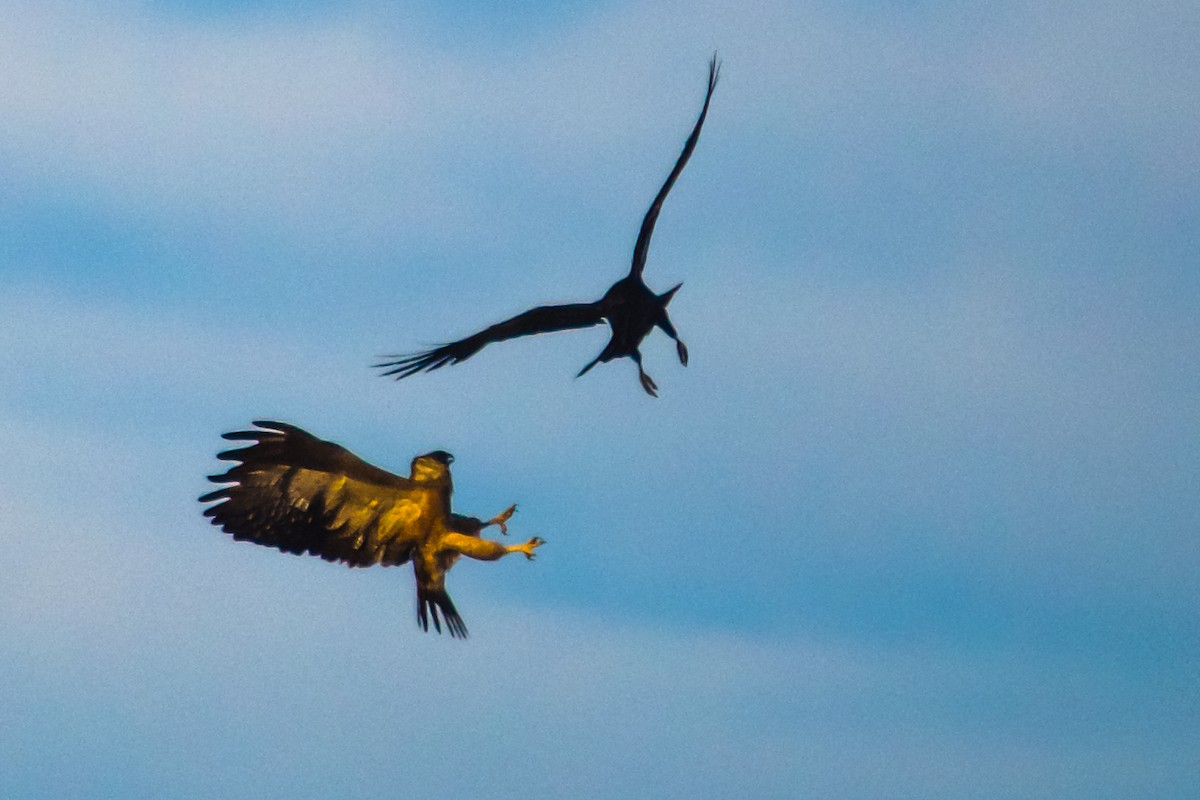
433	466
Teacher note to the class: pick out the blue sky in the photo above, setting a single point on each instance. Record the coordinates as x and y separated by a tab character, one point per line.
918	520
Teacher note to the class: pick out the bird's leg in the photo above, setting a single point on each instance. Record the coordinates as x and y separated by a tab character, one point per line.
501	519
681	349
484	549
647	382
669	330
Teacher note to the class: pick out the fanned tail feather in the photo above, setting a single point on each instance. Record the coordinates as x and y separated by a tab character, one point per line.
428	604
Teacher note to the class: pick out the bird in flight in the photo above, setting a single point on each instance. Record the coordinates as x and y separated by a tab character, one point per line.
300	494
629	307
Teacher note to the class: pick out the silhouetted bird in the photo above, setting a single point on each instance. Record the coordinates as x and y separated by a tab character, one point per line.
301	494
629	307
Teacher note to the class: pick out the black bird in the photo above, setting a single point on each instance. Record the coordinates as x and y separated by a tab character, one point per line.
629	307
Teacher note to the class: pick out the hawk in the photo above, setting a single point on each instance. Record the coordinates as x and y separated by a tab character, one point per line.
629	307
300	494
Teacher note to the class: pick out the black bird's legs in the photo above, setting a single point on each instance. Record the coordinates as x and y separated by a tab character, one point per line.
669	330
647	382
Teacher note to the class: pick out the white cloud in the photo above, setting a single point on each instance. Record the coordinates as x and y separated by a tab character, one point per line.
272	123
355	117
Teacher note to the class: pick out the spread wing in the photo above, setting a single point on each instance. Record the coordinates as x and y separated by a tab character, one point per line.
642	247
543	319
301	494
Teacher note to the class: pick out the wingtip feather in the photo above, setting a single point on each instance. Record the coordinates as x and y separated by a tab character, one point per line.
219	494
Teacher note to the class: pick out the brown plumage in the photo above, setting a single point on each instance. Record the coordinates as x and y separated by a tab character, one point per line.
629	307
300	494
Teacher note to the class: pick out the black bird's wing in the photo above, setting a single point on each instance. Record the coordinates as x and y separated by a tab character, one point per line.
543	319
642	247
301	494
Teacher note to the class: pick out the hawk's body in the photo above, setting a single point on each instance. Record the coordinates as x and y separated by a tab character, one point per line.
300	494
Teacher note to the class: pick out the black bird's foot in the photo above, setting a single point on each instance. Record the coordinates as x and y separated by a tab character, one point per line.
681	349
648	384
502	518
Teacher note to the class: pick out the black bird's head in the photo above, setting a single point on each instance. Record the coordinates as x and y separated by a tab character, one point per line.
434	466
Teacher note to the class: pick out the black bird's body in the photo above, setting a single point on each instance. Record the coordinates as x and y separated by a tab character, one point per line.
632	311
629	307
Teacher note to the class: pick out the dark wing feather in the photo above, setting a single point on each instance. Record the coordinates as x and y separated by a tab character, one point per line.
543	319
282	443
642	248
301	494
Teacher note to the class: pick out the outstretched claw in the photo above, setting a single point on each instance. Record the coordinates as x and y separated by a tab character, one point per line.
648	383
681	349
502	518
528	547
